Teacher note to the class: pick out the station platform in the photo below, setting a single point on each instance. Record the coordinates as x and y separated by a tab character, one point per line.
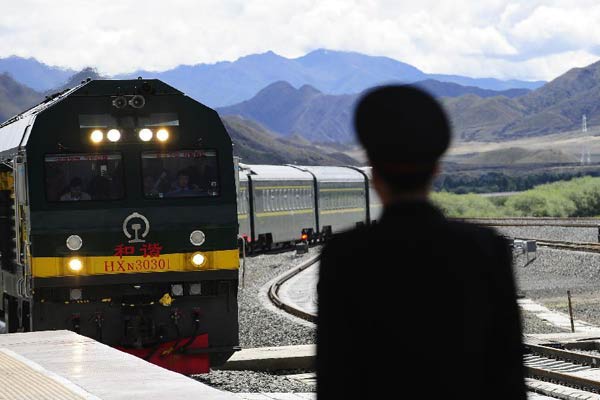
65	365
273	358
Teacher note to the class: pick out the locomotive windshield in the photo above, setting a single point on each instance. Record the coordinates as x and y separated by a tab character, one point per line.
185	173
84	177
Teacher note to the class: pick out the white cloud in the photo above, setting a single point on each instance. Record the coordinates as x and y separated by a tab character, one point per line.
527	39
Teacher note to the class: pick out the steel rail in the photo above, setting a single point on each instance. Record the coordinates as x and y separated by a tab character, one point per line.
274	291
564	379
550	372
588	247
566	222
565	355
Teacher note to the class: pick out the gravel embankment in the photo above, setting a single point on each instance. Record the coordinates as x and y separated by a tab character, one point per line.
261	326
551	233
547	279
533	324
252	382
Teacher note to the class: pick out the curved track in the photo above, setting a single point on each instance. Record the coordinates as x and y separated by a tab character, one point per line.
289	307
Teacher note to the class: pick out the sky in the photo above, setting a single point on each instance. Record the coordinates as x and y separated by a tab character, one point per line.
530	39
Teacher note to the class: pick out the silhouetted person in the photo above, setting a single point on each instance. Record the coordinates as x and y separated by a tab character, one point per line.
415	302
75	192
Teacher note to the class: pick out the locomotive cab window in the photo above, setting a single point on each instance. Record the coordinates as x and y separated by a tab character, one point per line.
185	173
83	177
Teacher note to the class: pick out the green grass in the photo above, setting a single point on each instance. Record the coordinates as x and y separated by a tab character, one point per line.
578	197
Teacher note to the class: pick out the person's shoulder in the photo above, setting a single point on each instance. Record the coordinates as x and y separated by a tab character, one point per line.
486	239
469	229
349	239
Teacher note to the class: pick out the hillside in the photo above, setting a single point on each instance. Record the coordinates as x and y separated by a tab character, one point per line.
15	97
517	155
320	117
307	112
556	107
255	145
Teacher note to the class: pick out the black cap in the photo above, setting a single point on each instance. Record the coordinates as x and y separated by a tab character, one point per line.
402	128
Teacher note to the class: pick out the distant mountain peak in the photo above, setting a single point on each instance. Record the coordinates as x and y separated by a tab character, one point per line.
309	89
34	73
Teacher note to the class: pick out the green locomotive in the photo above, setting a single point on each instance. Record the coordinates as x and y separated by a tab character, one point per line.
118	221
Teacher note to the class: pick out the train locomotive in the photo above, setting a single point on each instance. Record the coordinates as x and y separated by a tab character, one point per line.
118	221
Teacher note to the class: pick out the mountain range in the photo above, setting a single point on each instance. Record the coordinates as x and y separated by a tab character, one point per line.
476	114
252	142
556	107
321	117
230	82
295	113
331	72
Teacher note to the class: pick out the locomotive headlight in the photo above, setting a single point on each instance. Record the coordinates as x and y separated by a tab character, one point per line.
177	290
162	135
74	242
198	259
97	136
145	134
197	238
113	135
75	264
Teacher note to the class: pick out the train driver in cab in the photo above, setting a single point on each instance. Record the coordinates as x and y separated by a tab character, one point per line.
75	192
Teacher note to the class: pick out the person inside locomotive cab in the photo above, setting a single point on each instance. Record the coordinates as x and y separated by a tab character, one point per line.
75	192
182	186
206	177
437	294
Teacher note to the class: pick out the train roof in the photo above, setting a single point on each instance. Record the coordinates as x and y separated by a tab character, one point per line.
276	172
14	132
334	174
368	171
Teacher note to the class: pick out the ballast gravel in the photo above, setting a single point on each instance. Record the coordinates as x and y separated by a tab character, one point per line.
252	382
262	325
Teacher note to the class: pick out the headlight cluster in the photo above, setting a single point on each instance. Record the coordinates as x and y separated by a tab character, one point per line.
98	136
162	135
113	135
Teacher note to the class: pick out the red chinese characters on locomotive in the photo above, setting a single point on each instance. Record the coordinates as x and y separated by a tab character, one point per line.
146	250
151	260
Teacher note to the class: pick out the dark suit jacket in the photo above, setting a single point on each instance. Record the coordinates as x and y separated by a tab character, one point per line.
431	298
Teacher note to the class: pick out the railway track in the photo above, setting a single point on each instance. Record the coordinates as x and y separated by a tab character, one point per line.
290	308
588	247
577	371
566	222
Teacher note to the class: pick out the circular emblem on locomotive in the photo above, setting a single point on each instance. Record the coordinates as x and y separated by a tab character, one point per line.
139	225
